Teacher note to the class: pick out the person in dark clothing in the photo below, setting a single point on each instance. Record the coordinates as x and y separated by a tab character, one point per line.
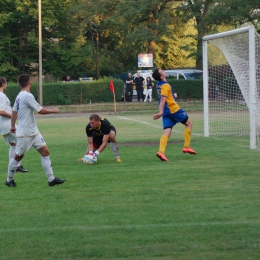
129	87
139	83
100	132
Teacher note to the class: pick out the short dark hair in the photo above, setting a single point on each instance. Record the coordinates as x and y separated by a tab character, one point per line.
156	75
2	81
23	80
94	117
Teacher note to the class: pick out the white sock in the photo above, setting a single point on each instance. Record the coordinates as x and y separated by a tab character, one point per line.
11	169
11	154
46	165
114	148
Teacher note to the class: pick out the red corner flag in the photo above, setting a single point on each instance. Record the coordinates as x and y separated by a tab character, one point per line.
111	86
112	89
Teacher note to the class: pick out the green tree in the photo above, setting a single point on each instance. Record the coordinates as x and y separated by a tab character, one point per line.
152	27
18	44
63	47
127	28
211	15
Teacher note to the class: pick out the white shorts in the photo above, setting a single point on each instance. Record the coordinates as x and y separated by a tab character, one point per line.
25	143
10	138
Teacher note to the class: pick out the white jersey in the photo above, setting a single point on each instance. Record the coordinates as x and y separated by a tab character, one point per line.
25	105
5	122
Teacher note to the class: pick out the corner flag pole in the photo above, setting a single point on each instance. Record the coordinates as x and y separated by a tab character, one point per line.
114	101
112	89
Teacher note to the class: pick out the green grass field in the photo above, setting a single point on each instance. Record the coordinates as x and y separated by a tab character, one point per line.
204	206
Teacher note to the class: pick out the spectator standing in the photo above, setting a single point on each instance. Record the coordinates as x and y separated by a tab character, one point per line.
139	83
67	79
129	87
149	89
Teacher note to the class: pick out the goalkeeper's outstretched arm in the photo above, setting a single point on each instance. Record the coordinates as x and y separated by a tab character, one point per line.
90	145
104	143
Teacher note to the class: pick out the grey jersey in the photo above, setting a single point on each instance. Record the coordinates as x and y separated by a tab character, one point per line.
5	122
25	105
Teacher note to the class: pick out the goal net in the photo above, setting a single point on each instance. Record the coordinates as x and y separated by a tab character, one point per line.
231	81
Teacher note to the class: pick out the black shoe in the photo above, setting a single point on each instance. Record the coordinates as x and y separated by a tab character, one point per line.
10	183
56	181
21	169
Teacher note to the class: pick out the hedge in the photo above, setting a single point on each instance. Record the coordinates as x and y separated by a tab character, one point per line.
66	93
188	89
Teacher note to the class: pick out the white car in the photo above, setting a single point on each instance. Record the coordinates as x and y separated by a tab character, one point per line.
184	74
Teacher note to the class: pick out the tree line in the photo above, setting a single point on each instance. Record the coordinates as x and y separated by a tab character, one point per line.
103	38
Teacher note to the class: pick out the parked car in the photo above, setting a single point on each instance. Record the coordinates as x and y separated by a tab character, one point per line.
145	74
86	79
184	74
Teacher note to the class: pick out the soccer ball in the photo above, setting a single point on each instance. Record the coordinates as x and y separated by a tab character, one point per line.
89	159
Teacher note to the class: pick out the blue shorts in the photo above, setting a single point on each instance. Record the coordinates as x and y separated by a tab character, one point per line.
170	120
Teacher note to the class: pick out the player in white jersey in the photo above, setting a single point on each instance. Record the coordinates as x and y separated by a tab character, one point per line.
27	132
5	122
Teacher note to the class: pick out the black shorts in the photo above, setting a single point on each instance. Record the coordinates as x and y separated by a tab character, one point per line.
98	140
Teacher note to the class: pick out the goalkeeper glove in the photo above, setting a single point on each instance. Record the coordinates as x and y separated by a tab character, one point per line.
96	154
89	153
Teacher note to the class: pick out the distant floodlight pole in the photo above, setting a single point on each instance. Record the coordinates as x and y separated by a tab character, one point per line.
40	51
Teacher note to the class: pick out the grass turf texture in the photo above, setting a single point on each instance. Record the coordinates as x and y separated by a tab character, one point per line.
203	206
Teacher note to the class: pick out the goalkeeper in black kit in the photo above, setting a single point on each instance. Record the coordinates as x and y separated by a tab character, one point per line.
100	132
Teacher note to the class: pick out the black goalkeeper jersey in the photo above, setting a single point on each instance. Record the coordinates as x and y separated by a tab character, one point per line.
104	128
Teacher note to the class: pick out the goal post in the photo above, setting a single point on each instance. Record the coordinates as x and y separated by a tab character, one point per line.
231	71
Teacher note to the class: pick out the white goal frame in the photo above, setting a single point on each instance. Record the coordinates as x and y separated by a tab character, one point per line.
252	80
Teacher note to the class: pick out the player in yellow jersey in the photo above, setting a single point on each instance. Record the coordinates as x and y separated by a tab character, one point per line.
171	114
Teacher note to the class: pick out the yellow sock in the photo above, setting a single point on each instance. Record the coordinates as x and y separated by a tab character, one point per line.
163	143
187	136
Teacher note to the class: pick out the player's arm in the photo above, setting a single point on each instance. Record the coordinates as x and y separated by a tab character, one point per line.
13	120
104	143
5	114
161	108
90	145
45	111
33	104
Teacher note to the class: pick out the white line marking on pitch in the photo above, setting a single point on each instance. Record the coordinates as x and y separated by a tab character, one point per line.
133	226
146	123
